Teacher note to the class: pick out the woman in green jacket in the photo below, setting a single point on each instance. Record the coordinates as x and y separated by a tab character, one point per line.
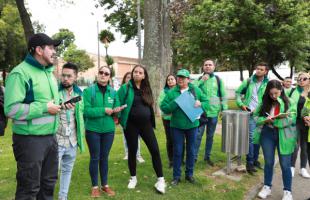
100	102
276	118
183	129
171	81
138	119
299	98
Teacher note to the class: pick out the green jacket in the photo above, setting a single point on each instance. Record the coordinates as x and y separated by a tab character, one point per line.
127	97
247	97
210	89
94	109
178	118
30	86
296	95
306	112
79	119
160	100
286	127
287	91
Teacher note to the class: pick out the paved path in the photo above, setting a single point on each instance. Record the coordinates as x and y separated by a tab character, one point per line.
300	185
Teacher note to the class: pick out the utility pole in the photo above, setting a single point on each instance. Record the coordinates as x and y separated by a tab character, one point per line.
139	31
98	45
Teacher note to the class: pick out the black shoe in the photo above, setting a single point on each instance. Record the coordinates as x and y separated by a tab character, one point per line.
257	165
190	179
175	182
250	169
209	162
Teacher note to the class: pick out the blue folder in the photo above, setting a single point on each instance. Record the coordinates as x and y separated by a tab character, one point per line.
186	102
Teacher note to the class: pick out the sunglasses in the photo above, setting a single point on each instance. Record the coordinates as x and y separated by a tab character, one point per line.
302	79
66	75
105	73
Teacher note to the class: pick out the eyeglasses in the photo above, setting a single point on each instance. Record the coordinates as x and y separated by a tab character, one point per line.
302	79
66	75
104	73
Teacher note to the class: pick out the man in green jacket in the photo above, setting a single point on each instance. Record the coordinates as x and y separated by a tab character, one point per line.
287	85
70	134
32	102
248	96
213	88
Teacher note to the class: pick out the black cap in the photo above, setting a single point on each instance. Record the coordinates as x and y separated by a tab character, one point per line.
41	39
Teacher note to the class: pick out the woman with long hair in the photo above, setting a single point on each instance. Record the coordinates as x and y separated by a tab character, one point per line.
126	79
171	81
138	118
299	98
100	102
275	119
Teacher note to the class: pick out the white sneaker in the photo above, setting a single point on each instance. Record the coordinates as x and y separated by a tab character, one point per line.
132	182
125	157
304	173
160	185
140	159
287	195
293	171
265	192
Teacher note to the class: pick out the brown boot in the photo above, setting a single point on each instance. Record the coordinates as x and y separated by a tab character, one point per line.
108	191
95	192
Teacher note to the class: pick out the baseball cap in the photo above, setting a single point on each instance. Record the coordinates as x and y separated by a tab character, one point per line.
40	39
183	72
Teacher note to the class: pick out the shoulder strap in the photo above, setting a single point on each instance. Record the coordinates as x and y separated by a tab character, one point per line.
244	90
291	92
126	93
93	94
219	93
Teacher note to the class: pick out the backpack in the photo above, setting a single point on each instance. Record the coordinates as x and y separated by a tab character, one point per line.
291	92
244	90
3	118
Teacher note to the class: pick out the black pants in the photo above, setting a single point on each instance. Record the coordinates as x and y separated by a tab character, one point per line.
147	134
302	139
169	139
37	166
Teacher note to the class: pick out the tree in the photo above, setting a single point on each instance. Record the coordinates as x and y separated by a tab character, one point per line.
245	32
78	57
12	42
67	37
25	18
157	50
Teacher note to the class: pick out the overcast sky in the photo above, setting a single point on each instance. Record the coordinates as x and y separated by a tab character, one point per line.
80	18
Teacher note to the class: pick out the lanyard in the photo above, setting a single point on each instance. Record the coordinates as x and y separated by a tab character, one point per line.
68	111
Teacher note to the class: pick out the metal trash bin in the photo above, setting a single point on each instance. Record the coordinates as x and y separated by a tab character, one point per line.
235	134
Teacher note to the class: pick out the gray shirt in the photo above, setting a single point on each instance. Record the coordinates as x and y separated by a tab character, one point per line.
254	98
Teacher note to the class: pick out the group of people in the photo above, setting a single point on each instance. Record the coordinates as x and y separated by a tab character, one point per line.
49	127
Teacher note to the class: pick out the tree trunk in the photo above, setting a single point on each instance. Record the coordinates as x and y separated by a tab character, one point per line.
291	70
157	48
25	18
274	71
241	73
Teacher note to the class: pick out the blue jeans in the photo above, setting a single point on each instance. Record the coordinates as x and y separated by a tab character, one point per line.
211	126
99	145
66	161
253	154
178	144
269	142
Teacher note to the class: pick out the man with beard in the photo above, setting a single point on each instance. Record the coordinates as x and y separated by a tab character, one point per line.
32	102
71	127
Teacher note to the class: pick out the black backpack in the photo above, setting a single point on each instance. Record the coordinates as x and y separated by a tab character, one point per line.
3	118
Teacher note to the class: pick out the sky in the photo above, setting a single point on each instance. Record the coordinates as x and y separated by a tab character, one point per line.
81	18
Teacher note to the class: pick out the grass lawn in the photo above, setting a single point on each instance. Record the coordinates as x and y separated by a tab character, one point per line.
207	186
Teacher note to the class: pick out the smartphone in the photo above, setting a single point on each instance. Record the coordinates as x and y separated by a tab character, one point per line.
248	109
73	100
